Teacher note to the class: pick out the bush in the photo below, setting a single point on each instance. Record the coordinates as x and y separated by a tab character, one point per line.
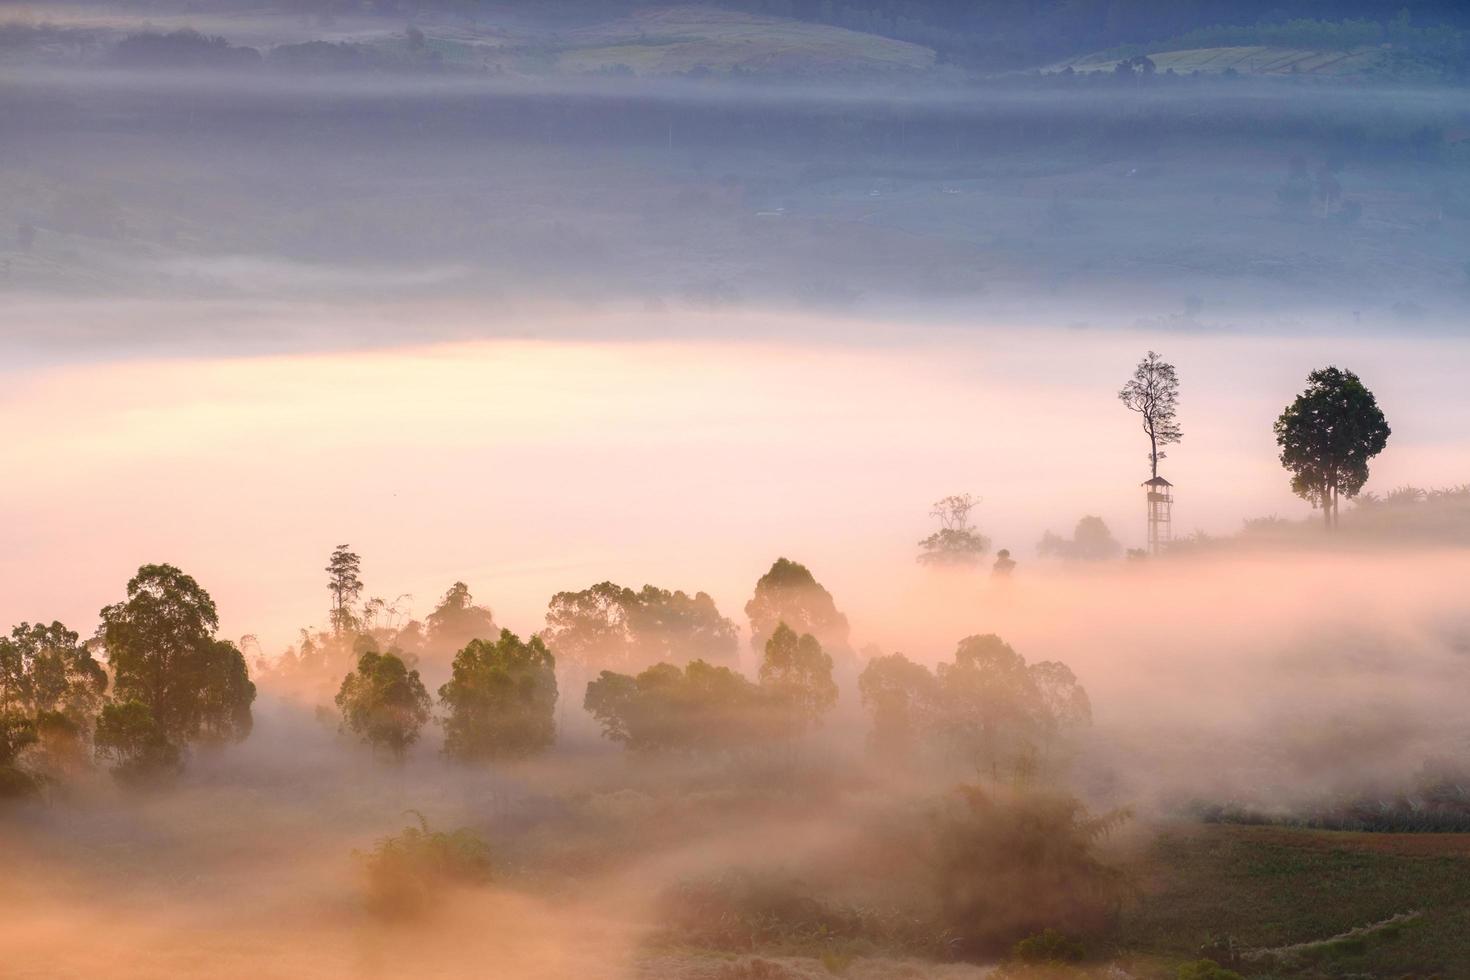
1006	866
409	873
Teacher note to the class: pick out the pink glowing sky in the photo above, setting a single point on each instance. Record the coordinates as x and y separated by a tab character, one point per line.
525	467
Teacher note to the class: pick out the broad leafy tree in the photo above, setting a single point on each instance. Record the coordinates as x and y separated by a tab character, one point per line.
1328	435
990	700
384	703
1090	541
902	698
51	690
701	707
797	674
174	682
957	542
501	699
1153	392
457	620
344	582
612	626
789	593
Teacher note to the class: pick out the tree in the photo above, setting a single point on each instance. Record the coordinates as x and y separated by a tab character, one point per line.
501	699
956	542
457	620
173	682
1090	541
384	703
611	626
344	583
1153	392
790	594
990	701
797	673
901	696
1063	706
1328	435
702	707
46	669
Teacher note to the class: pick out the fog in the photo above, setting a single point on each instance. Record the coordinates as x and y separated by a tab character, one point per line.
503	299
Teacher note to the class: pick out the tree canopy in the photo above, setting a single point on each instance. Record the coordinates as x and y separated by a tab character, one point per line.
701	707
457	620
789	593
173	682
1153	392
501	700
797	673
957	542
1328	435
344	582
1091	541
611	626
384	703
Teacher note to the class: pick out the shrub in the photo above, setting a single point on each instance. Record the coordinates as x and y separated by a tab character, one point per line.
1006	866
409	873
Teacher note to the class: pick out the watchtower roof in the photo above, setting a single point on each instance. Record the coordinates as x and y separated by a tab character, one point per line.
1157	481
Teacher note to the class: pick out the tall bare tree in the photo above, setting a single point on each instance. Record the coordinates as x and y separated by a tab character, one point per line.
1153	392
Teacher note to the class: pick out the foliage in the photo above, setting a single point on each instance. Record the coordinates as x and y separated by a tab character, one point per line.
789	593
1048	946
612	626
1091	541
1153	392
45	668
901	696
1328	435
409	873
383	703
797	675
181	49
699	708
956	542
989	706
130	737
1007	866
344	582
168	666
457	620
50	691
501	699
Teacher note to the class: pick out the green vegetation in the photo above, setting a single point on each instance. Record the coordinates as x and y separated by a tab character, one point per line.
1251	896
384	703
410	873
612	626
174	683
501	700
1328	435
957	543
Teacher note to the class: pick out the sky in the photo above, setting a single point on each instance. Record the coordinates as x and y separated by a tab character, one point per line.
526	466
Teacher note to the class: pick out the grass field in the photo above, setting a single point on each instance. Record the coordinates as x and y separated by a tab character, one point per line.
1266	888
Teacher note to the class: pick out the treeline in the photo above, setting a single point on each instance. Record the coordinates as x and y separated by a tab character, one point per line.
156	682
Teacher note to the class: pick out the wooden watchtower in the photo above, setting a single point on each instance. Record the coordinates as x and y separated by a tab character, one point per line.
1160	517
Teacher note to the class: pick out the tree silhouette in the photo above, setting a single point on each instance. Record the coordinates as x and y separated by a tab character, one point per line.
383	703
1328	435
956	542
501	699
457	620
1153	392
174	682
797	673
344	583
789	593
611	626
